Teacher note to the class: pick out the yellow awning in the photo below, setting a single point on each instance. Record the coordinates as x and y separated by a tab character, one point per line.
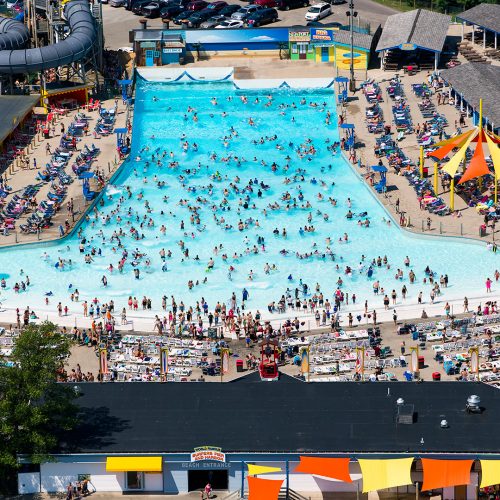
139	464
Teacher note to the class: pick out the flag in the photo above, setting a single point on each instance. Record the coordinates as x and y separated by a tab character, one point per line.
164	361
414	360
304	361
360	360
225	360
103	361
474	360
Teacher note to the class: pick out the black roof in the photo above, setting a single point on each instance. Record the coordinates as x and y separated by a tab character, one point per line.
287	416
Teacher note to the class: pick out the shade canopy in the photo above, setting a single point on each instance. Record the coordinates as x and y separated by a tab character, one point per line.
445	473
263	489
253	470
382	474
139	464
334	468
379	168
490	473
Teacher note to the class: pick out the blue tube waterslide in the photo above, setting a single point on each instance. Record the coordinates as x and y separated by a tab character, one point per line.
14	36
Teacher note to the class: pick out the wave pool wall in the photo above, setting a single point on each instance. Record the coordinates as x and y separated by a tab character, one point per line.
74	48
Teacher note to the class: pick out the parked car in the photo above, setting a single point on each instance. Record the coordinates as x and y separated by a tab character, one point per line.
197	18
265	3
216	6
212	22
317	24
336	2
171	11
230	23
318	11
291	4
229	10
11	3
260	17
182	17
117	3
244	12
138	6
196	5
152	11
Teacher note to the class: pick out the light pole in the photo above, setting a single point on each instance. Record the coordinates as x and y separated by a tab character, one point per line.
351	14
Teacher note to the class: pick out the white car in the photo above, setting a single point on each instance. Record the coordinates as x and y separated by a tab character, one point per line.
318	11
230	23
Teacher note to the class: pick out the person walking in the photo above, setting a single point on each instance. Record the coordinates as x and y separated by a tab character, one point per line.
395	317
466	305
488	285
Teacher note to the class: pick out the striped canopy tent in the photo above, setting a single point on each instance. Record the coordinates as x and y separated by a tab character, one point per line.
477	167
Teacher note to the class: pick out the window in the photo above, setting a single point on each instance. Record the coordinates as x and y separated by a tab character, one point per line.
135	480
294	48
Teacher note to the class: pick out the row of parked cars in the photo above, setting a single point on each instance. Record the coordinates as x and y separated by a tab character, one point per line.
219	14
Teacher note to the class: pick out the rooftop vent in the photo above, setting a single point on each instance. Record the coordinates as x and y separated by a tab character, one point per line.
444	424
472	405
400	401
406	414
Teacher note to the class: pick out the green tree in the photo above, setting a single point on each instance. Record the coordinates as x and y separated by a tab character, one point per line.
34	408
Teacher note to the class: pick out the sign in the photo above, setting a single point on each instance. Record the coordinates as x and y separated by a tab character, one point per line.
208	453
205	465
321	37
299	36
148	45
407	46
172	51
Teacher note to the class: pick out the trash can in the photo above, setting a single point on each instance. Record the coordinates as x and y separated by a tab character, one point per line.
482	230
421	362
239	365
46	133
436	376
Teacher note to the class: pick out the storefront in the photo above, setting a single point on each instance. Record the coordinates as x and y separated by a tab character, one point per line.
172	438
329	46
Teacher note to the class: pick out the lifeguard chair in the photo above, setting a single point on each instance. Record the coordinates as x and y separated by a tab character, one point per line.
268	367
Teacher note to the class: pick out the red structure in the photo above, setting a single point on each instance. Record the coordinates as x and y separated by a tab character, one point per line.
268	367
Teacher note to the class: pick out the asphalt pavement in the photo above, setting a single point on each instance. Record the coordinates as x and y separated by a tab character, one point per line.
119	21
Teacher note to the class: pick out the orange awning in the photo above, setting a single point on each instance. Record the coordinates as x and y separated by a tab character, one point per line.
449	144
263	489
444	473
334	468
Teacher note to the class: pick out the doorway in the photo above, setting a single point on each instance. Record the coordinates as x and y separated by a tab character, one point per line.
303	50
325	54
198	479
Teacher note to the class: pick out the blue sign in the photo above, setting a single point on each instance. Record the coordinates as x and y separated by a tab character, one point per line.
321	36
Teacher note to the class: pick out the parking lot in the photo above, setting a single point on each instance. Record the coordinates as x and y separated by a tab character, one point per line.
119	21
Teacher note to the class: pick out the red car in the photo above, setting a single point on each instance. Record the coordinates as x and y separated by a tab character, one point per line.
196	5
265	3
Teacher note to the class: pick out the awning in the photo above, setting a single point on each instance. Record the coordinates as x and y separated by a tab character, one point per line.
139	464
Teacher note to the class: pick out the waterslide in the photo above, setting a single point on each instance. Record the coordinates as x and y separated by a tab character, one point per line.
14	36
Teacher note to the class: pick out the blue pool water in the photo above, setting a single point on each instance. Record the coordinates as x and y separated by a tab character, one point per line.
161	117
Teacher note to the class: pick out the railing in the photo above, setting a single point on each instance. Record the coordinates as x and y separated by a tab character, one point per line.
235	495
